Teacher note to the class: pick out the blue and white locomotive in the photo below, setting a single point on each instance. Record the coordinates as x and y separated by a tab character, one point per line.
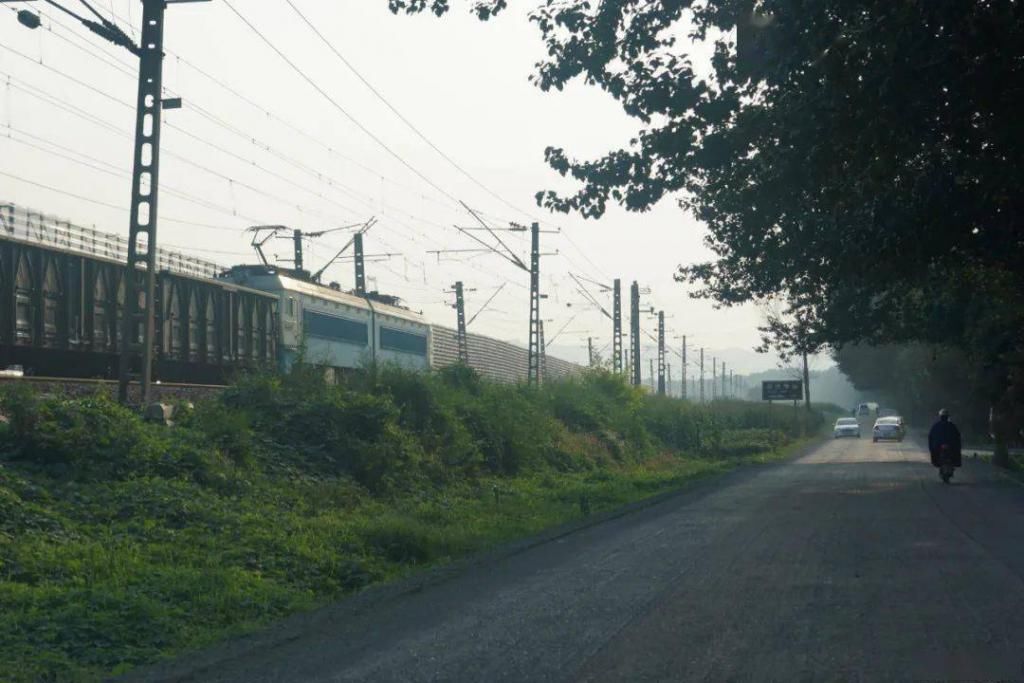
335	329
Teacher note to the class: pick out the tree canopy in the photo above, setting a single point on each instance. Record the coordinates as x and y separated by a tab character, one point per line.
859	158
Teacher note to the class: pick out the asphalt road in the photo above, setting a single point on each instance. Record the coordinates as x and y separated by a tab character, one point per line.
852	563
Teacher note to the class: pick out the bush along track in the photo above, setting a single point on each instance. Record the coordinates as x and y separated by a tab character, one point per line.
123	542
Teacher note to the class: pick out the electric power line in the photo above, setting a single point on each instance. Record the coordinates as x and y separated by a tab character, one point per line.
397	113
99	202
335	103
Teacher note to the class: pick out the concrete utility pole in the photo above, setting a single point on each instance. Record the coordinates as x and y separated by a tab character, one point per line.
661	353
725	393
702	374
617	326
668	373
634	311
590	351
651	361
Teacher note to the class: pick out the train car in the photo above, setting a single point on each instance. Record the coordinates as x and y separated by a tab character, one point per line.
62	297
338	330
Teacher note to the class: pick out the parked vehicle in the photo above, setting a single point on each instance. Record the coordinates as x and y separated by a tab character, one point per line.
846	426
888	428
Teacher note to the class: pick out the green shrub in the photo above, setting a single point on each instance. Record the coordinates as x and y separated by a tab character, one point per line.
95	438
122	542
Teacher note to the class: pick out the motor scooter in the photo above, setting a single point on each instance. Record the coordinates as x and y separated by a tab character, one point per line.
946	463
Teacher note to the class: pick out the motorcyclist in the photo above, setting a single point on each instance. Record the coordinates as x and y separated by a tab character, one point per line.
944	433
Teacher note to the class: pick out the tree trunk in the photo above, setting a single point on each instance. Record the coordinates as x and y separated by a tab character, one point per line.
999	425
807	385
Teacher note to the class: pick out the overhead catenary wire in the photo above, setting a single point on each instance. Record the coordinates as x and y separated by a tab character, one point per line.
167	124
411	232
316	86
101	166
99	202
396	112
218	121
249	163
315	138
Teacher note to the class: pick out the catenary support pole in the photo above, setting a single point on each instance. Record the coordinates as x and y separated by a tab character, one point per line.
533	371
140	283
634	332
702	375
460	312
543	367
683	387
714	378
661	353
360	264
297	248
617	327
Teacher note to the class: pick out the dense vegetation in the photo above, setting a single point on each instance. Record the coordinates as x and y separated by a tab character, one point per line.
920	379
856	160
122	542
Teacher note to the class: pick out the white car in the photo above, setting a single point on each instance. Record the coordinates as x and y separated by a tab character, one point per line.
846	426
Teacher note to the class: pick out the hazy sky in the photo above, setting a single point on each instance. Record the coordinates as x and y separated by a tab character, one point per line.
289	156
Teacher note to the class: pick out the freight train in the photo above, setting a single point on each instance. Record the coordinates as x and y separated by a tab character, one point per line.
62	290
62	294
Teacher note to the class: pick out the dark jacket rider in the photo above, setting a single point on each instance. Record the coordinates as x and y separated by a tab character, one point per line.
944	433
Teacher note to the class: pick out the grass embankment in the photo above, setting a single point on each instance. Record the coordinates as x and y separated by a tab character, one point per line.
123	542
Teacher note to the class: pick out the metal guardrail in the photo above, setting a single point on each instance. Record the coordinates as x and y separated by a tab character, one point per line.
20	223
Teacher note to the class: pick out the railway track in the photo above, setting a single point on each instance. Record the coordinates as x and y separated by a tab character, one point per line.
80	386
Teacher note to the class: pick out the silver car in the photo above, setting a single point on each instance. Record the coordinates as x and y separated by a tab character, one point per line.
846	426
888	428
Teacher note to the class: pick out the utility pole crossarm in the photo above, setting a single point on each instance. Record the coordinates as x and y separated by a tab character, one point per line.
486	303
562	329
514	260
365	229
509	254
590	297
321	233
601	285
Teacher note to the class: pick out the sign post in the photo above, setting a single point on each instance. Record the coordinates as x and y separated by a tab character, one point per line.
783	390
